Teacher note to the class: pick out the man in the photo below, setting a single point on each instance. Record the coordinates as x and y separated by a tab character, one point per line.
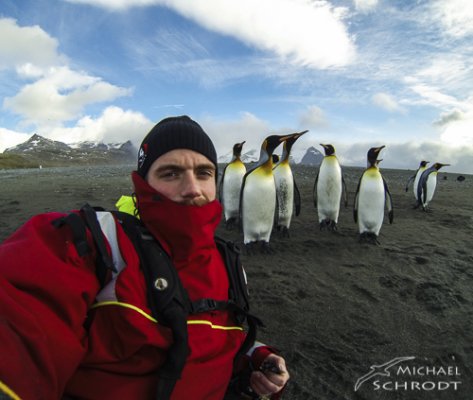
66	334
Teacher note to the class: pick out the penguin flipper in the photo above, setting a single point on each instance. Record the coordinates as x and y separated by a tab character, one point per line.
314	189
240	210
345	191
220	187
409	182
422	187
389	201
355	204
276	213
297	198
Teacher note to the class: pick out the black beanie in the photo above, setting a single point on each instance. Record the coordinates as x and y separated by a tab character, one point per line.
170	134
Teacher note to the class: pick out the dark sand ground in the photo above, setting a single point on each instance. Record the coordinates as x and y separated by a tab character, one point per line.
333	306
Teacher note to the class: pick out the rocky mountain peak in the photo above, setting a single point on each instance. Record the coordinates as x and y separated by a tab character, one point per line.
312	157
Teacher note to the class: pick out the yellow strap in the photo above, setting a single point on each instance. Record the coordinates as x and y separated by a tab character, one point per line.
126	305
205	322
5	389
146	315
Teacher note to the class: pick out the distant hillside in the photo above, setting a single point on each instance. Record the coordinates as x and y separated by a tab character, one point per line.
311	156
10	161
40	151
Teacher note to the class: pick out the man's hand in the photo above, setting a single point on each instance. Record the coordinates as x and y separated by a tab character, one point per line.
271	378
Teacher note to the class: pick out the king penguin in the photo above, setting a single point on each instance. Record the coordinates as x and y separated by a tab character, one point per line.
416	177
328	188
372	195
287	191
230	186
258	197
427	184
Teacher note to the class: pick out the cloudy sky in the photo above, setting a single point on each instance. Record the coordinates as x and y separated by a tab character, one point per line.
356	73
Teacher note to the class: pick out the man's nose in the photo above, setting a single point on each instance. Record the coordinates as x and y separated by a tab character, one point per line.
190	186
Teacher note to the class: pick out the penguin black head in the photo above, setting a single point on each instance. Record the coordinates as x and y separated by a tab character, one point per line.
423	163
437	166
329	149
271	142
291	139
237	147
373	156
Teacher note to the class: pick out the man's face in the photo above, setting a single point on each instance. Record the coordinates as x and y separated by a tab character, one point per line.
184	176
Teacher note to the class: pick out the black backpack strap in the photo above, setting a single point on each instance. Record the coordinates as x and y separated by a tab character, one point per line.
79	234
79	223
167	299
238	302
90	216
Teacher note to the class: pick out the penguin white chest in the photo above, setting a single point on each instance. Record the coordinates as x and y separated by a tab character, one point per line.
371	202
329	190
285	193
231	189
259	203
431	185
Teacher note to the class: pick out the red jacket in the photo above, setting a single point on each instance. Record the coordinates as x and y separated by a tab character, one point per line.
47	291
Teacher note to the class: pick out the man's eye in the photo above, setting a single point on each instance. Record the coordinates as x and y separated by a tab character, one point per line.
206	173
168	174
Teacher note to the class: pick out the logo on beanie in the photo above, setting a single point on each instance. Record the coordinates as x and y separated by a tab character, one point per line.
142	155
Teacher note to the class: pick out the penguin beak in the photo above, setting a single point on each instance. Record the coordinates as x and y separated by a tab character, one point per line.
378	149
440	165
284	138
302	133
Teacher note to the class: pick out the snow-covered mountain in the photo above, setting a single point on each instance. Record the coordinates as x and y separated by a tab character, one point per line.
50	152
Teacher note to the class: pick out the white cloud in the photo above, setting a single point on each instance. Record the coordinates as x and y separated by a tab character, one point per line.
455	16
225	133
365	5
312	117
55	93
387	102
299	31
26	45
115	125
458	128
434	97
449	117
60	95
9	138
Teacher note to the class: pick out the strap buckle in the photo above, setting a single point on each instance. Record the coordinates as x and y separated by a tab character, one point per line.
204	305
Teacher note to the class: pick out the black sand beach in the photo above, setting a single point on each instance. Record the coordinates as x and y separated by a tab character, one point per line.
333	306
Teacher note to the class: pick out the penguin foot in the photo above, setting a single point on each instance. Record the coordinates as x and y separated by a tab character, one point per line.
231	223
329	225
250	248
284	231
265	248
369	237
